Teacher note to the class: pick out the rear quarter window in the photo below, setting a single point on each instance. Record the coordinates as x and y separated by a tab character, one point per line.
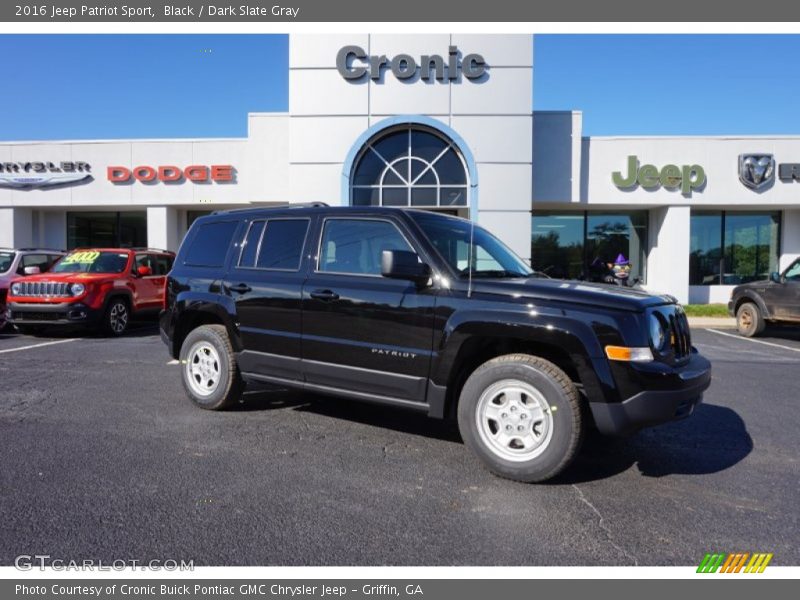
210	244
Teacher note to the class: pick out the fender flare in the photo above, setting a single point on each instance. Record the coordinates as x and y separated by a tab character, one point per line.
574	337
188	304
750	296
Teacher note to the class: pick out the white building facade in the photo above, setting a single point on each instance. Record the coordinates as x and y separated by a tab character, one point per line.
439	122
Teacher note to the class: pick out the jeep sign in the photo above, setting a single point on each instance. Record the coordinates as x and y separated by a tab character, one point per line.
670	177
353	63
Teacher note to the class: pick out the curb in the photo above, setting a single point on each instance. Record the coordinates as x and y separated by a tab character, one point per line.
726	322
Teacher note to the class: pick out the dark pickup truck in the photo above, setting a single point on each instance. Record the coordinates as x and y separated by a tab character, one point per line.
425	311
774	300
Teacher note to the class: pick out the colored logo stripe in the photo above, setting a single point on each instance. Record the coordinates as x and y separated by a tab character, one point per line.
710	563
734	562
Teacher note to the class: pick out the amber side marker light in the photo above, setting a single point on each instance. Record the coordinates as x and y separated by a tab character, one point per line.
629	354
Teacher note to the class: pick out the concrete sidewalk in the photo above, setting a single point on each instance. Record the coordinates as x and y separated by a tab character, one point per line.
726	322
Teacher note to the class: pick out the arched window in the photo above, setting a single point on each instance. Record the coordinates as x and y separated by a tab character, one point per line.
410	166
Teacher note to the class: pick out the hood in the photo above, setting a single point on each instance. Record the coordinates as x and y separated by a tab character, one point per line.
575	292
761	283
68	277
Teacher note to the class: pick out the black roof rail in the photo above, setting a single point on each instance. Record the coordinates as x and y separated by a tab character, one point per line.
282	205
40	250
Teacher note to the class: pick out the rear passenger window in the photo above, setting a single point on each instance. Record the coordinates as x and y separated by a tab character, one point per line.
282	244
210	244
247	258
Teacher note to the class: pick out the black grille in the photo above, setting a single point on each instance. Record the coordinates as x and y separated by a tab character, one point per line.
680	337
38	316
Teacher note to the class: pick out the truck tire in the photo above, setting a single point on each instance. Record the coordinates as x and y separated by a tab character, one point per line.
210	374
521	415
749	320
116	317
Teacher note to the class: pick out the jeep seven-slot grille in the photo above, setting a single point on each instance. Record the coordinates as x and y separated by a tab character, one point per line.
679	336
44	288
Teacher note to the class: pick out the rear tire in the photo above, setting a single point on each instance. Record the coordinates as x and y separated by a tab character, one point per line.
521	415
749	320
116	317
209	371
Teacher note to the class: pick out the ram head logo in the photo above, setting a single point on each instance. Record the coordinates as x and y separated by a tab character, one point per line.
757	171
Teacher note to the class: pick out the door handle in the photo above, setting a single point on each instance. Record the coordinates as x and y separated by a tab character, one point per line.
239	288
324	295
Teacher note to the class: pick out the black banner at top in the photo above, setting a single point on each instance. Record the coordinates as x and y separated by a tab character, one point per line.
147	11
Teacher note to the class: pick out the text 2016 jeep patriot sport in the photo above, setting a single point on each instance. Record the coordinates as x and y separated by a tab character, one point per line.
430	312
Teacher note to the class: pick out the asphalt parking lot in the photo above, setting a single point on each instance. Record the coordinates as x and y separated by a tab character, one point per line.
104	457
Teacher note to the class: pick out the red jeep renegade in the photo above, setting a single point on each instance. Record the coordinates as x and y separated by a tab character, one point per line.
98	287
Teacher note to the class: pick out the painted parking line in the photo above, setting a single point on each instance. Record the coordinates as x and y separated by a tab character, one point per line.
746	339
38	345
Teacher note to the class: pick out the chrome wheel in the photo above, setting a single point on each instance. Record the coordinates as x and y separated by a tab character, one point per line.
203	371
514	420
118	317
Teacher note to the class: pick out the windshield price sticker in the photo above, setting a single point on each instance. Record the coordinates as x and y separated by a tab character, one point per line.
83	257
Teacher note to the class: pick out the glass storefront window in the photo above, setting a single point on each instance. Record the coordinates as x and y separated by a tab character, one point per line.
705	248
609	235
582	245
557	244
730	248
106	229
409	166
751	246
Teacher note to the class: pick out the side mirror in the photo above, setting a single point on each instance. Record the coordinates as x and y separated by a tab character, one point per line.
402	264
32	270
776	277
144	271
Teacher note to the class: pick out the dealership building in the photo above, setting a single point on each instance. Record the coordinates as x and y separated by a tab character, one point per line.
438	122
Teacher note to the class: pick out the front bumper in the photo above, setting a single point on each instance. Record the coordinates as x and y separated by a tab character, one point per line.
731	308
63	313
676	398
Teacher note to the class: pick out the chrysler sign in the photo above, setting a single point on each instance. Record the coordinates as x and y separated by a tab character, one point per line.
353	63
40	174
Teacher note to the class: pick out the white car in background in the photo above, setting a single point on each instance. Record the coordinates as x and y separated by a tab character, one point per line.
20	262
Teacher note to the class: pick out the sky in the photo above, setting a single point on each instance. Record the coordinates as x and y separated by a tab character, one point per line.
174	86
671	84
139	86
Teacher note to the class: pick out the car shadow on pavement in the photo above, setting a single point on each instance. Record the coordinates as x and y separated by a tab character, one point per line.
786	332
713	439
136	328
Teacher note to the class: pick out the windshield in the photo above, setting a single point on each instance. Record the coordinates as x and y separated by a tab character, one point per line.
489	256
92	261
6	260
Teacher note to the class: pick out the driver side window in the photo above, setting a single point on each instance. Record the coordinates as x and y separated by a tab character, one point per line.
354	246
793	272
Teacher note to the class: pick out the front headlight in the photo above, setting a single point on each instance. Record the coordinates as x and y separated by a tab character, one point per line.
657	334
16	289
77	289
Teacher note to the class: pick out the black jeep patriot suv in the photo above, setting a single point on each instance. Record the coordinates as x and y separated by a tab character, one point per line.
424	311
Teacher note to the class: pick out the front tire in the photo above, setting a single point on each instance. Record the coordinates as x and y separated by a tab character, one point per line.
521	416
116	317
209	371
749	320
